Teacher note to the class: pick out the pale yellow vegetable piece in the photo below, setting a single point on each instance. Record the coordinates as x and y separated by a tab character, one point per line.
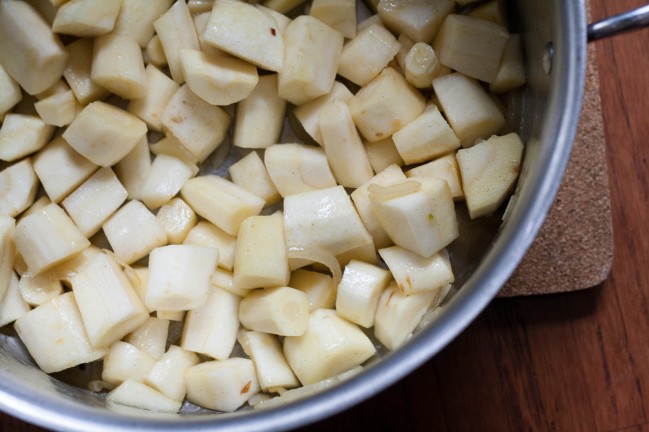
69	268
331	345
283	6
86	18
489	11
246	32
177	219
10	93
415	274
282	311
338	14
406	46
250	173
382	154
125	361
36	206
138	395
58	87
312	52
471	46
359	290
489	171
468	108
18	187
166	177
40	288
200	24
298	168
419	20
222	278
370	20
77	72
160	89
318	287
443	168
7	251
511	73
48	237
12	305
179	277
136	18
222	385
55	337
118	66
134	168
22	135
422	66
133	231
92	203
58	109
221	202
29	51
282	20
168	374
207	234
104	134
150	337
154	53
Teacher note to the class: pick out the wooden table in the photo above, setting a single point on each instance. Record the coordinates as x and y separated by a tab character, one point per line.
566	362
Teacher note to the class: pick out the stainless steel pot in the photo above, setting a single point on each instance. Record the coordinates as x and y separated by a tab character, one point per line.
555	37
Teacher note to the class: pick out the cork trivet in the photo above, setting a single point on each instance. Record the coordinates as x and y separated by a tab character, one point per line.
574	249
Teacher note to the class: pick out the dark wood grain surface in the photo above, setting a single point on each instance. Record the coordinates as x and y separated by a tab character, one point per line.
567	362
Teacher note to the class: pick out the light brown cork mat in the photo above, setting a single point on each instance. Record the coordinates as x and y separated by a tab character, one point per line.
574	249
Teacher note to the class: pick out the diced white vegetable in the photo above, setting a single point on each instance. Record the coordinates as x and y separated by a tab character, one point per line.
222	385
212	328
92	203
54	335
489	170
250	173
77	72
177	219
58	87
159	91
7	251
69	268
58	109
422	66
415	274
166	177
443	168
382	154
154	53
468	108
29	51
283	6
118	66
168	374
12	306
150	337
511	73
225	279
10	93
312	52
406	46
21	135
221	202
318	287
133	231
298	168
138	395
338	14
40	288
207	234
47	237
385	105
200	24
18	187
134	168
265	350
282	311
86	18
419	20
136	18
179	277
489	11
169	145
367	54
359	290
331	345
282	20
36	206
260	116
125	361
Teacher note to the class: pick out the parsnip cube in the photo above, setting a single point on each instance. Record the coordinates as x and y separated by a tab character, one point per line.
422	66
58	87
382	154
265	350
21	135
40	288
125	362
150	337
398	314
406	46
134	168
136	18
489	171
179	277
298	168
77	72
343	146
207	234
12	305
212	328
29	51
133	231
367	54
370	20
171	315
222	385
176	30
160	90
177	219
426	137
282	311
260	259
225	279
219	80
118	66
68	269
385	105
471	46
110	308
313	220
318	287
7	251
309	113
92	203
168	374
337	14
166	177
415	274
359	291
489	11
331	345
365	253
36	206
104	134
312	52
360	196
250	173
419	20
282	20
58	109
283	6
138	395
86	18
246	32
18	187
10	93
468	108
260	116
444	168
47	237
154	53
200	24
54	335
221	202
169	145
199	126
511	72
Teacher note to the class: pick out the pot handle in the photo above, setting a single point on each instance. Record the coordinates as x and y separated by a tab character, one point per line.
624	22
